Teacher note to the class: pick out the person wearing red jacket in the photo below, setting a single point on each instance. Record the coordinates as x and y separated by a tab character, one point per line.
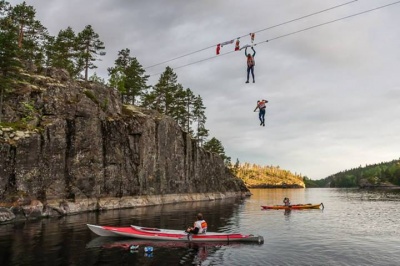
250	64
261	105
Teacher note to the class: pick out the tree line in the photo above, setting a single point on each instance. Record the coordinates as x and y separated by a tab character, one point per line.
370	175
26	44
263	176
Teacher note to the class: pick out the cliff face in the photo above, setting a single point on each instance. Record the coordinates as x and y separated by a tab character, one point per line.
82	150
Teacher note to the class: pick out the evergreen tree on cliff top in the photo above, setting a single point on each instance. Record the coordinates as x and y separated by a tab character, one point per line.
164	93
215	145
128	76
62	51
200	118
89	47
8	41
31	34
8	51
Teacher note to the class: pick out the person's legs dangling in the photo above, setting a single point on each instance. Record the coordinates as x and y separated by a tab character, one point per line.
262	112
252	74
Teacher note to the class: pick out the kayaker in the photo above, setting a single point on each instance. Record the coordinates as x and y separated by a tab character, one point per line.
199	227
286	201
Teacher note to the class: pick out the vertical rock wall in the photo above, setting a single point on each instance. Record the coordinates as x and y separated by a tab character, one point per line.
85	151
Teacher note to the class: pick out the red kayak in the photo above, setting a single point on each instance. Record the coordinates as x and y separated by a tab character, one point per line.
294	207
172	235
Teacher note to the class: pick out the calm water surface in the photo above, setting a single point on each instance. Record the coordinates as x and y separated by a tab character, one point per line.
355	228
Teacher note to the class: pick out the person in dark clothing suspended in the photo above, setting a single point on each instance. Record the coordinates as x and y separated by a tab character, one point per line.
261	105
250	64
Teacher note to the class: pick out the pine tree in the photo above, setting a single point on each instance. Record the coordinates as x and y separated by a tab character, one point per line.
163	93
23	16
97	79
128	77
31	34
236	167
189	106
8	52
200	118
215	145
62	51
89	47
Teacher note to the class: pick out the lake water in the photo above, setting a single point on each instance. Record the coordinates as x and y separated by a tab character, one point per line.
356	227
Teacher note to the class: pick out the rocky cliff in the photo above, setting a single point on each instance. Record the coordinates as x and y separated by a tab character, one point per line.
68	147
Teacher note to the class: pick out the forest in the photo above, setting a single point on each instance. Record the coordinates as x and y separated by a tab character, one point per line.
381	174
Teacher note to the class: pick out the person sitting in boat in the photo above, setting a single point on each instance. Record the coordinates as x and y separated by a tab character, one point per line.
200	226
286	201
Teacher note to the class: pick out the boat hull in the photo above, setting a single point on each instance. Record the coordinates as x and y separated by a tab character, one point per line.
170	235
294	207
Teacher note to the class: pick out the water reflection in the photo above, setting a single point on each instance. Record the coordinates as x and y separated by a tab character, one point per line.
190	253
68	241
375	194
355	228
287	214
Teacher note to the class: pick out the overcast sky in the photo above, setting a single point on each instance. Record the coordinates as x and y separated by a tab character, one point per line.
333	91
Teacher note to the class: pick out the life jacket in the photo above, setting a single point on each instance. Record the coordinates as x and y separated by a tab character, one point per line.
202	225
261	105
286	202
250	61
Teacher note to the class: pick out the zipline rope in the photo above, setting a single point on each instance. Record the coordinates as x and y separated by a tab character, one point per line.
271	27
288	34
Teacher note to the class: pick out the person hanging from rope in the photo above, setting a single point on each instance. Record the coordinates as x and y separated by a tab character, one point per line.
250	64
261	105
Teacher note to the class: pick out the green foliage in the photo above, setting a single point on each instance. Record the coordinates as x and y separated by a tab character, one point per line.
162	95
91	96
215	145
104	105
89	46
29	111
168	97
97	79
128	77
9	62
31	34
8	42
200	120
311	183
376	174
62	53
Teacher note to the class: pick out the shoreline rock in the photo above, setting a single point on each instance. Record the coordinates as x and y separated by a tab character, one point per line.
57	208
